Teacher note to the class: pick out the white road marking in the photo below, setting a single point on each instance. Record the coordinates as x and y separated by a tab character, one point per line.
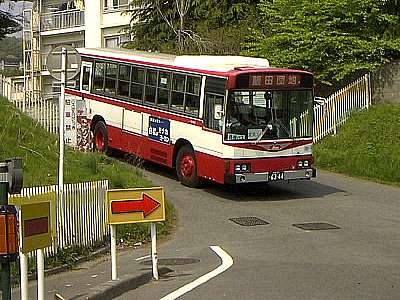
143	257
227	262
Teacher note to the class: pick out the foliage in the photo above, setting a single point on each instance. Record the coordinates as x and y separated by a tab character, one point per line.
11	49
367	146
8	23
332	38
211	26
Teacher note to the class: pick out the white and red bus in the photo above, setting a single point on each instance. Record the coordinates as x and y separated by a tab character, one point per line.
229	119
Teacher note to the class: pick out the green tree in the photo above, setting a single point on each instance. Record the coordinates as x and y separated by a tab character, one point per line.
191	26
332	38
8	23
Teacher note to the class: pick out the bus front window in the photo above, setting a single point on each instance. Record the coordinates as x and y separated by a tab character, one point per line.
268	115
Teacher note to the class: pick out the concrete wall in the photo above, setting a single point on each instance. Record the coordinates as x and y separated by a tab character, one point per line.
385	84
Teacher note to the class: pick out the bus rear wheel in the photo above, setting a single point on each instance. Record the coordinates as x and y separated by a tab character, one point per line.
100	137
186	167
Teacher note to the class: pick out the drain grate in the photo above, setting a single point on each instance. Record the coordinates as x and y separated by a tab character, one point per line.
249	221
316	226
173	261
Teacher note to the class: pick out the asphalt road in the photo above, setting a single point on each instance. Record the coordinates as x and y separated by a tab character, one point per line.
359	260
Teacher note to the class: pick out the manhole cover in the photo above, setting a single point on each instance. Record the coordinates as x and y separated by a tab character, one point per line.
249	221
316	226
173	261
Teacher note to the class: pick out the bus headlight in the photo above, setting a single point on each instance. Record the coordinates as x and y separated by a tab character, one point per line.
242	168
303	163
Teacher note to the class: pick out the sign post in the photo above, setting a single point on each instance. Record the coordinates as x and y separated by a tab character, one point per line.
141	205
35	234
153	229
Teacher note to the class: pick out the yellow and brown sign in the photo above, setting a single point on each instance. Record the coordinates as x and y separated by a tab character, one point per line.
36	221
136	205
35	226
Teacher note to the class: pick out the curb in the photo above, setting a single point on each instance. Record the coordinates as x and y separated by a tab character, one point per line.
115	288
64	268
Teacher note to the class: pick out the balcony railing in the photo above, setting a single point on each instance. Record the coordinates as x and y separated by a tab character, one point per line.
62	19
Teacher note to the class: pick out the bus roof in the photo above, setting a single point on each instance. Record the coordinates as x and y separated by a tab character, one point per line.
200	62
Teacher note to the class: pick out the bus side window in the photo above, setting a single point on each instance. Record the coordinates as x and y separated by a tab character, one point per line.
123	80
111	78
137	83
192	100
178	91
98	81
85	78
210	120
163	90
151	86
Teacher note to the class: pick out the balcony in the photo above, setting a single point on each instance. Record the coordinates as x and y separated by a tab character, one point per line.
62	20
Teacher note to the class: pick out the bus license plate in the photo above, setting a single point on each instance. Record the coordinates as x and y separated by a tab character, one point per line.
274	176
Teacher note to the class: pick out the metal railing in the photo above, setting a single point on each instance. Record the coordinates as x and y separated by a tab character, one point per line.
62	19
44	111
81	214
338	107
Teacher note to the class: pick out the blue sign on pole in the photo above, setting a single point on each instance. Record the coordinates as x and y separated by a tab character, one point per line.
159	130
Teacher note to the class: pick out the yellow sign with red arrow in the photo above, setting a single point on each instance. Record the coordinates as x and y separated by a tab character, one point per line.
138	205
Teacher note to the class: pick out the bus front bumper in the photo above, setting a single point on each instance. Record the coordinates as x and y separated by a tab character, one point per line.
272	176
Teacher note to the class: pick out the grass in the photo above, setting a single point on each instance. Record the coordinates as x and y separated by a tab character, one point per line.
21	136
366	146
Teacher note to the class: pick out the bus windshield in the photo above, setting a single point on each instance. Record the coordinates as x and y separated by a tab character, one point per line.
268	115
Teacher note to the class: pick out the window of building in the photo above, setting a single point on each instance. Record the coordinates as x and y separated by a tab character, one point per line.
115	4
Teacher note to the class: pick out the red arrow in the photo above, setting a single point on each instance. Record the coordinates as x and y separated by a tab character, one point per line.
146	205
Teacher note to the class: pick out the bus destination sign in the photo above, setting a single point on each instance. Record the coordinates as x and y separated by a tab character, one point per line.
159	129
268	80
274	81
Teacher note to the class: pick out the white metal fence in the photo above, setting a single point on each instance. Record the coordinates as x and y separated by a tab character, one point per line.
340	105
81	214
43	111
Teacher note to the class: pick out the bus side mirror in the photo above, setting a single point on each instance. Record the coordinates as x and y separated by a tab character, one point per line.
218	112
319	101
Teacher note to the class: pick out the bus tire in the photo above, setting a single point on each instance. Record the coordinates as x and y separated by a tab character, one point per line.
186	167
100	137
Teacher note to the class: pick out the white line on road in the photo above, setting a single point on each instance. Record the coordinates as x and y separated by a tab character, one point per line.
141	258
227	262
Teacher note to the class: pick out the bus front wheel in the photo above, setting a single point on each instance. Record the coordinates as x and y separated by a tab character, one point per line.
100	137
186	167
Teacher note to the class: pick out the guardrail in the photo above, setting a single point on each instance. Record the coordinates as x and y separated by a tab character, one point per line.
42	110
338	107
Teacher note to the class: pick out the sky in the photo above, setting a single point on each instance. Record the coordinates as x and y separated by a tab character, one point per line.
16	9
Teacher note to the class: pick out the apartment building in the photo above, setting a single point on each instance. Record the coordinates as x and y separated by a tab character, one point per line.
78	23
